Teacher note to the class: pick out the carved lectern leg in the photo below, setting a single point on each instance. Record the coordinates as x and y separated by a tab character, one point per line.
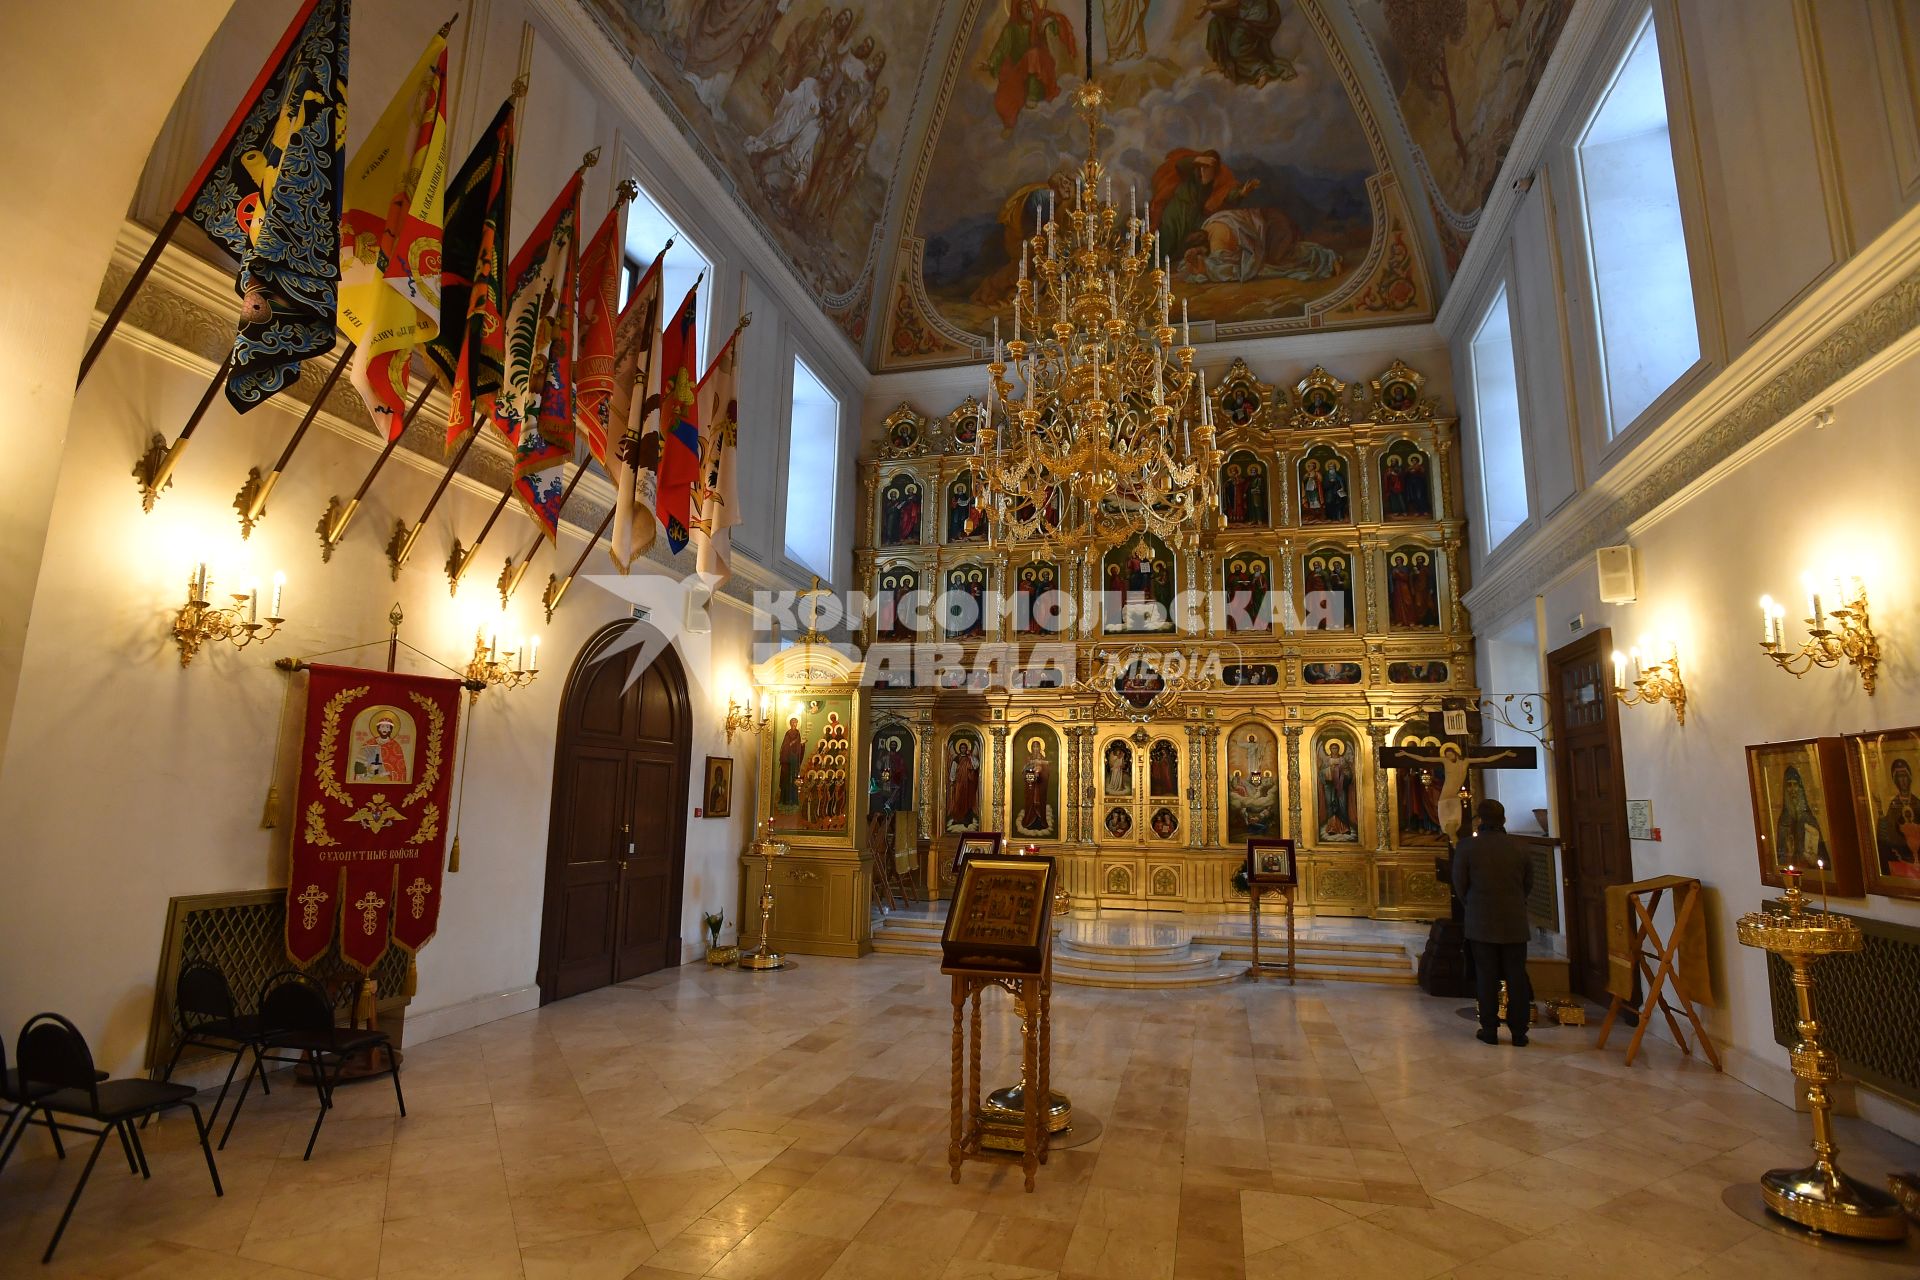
1030	1062
953	1120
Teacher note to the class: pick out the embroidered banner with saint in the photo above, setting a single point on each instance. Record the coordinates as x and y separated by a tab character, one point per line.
369	847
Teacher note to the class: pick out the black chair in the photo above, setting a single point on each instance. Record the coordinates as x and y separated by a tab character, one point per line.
18	1098
54	1055
204	1010
300	1021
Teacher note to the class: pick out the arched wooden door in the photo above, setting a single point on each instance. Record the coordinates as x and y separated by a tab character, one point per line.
617	840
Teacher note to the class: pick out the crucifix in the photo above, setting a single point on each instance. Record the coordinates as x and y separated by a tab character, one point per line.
807	611
1445	749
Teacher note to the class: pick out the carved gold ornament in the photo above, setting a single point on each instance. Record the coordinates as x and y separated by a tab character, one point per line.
376	815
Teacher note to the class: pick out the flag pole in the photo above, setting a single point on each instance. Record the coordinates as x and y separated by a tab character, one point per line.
400	545
333	523
154	470
192	193
458	559
510	576
251	501
557	587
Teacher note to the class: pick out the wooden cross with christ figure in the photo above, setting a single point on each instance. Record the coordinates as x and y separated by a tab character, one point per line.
1447	749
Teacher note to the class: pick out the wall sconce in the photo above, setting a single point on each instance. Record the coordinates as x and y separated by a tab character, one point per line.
240	623
1825	646
1652	682
740	714
507	669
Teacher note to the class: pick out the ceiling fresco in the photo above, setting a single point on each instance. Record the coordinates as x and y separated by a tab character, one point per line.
894	152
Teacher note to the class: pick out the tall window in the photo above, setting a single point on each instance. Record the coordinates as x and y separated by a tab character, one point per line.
1643	292
813	471
1496	424
649	227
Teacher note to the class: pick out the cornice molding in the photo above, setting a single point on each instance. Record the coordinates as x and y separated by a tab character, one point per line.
1861	319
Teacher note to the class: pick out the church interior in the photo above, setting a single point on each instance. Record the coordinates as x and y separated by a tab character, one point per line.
617	595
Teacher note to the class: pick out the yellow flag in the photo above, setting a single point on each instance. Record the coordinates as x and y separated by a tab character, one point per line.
390	237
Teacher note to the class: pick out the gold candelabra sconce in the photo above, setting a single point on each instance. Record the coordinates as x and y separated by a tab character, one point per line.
239	623
742	716
1843	633
1654	680
503	668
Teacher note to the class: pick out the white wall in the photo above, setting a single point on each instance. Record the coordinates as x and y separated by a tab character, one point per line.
127	780
1794	143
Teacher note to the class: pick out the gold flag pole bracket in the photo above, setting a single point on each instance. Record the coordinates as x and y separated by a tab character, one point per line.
251	501
556	589
400	545
509	581
154	470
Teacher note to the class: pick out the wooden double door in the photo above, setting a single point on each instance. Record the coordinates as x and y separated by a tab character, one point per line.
616	844
1591	788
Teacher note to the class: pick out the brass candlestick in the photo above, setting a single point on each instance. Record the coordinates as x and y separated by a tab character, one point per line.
1819	1197
768	849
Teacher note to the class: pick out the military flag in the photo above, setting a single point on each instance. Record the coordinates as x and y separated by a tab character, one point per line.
679	422
716	498
468	350
390	238
271	198
598	319
534	406
633	407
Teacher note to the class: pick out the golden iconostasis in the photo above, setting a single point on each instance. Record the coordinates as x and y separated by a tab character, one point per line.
1140	709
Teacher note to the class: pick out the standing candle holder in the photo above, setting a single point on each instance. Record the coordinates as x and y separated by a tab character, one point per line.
763	957
1819	1197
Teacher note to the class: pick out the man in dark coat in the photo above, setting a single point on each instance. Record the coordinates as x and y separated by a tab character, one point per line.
1492	875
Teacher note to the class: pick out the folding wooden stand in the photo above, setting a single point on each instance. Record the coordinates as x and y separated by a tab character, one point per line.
1641	903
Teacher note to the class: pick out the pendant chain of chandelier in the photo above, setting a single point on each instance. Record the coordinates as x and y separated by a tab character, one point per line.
1095	426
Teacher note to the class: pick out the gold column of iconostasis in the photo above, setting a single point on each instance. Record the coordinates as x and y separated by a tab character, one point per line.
812	798
1167	731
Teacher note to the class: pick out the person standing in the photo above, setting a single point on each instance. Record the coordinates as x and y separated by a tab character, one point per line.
1493	874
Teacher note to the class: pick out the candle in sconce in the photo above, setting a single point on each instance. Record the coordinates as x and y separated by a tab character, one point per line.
253	603
198	586
520	657
533	653
1186	325
279	595
1635	655
1813	602
493	647
1619	669
1766	620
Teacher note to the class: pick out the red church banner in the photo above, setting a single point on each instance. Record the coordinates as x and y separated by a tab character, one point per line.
375	783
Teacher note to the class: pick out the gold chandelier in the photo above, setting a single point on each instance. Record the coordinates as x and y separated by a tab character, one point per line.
1107	426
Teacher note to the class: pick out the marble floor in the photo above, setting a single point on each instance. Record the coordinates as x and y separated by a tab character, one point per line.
792	1126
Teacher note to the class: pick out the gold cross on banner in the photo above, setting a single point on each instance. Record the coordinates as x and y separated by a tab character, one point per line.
418	891
310	899
369	907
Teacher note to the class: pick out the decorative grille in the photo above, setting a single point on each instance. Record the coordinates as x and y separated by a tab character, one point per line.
245	935
1867	1004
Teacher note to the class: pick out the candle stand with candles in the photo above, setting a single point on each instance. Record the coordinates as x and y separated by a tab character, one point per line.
1818	1197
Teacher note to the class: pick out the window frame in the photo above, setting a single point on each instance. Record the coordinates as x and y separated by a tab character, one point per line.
1499	291
1606	441
791	558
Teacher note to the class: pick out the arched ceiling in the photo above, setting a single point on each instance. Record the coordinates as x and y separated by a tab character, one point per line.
1321	163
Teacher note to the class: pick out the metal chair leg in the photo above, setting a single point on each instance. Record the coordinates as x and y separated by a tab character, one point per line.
16	1126
204	1128
53	1131
241	1101
74	1199
393	1069
326	1101
126	1146
139	1148
226	1084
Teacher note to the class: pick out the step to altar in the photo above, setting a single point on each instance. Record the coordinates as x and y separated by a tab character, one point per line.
1143	952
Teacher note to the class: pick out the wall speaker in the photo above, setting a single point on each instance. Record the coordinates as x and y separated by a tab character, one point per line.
1619	574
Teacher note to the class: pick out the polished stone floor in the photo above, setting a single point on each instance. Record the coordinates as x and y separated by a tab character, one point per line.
793	1125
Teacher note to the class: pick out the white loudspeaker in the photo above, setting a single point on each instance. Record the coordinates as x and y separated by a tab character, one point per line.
1619	577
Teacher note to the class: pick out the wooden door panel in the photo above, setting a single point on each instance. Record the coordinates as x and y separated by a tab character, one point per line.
617	844
1588	781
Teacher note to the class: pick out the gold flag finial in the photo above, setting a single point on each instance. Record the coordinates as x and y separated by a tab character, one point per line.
448	24
589	160
626	191
519	89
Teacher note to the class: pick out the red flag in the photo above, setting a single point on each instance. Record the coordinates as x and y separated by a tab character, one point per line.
679	421
534	406
598	316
